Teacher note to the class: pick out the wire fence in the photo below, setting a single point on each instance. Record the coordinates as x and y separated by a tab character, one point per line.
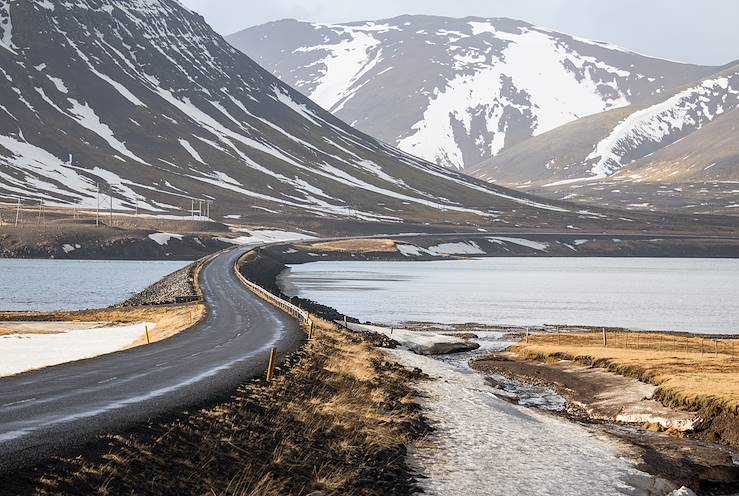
644	341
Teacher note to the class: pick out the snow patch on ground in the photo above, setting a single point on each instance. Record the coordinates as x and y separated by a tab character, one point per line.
410	250
423	343
265	236
162	239
67	248
23	352
522	242
461	248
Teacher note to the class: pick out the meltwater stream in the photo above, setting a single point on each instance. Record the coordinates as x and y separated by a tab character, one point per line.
484	444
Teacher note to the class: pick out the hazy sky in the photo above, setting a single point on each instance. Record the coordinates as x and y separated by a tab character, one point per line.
700	31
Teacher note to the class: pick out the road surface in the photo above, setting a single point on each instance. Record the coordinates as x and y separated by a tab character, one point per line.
60	407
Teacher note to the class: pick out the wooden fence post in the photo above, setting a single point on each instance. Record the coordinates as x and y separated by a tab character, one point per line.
605	338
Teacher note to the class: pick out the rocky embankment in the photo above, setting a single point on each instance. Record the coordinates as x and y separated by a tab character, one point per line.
177	287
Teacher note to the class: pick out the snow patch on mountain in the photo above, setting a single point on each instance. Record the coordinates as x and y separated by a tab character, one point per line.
6	25
86	117
549	90
187	146
456	91
689	109
343	65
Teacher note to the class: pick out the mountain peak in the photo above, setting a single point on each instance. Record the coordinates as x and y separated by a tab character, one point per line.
457	91
140	98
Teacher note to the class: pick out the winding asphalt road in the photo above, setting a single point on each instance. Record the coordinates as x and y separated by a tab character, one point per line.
60	407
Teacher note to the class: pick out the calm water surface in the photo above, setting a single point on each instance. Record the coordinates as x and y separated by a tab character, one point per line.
75	284
698	295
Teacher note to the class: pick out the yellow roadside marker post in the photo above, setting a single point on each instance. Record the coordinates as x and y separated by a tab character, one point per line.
271	364
148	338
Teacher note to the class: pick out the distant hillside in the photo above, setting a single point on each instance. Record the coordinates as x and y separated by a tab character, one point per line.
457	91
683	148
142	99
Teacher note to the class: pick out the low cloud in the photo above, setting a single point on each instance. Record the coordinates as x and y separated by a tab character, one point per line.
697	31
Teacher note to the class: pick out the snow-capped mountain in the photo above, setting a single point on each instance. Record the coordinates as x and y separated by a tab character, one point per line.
457	91
142	98
610	143
686	141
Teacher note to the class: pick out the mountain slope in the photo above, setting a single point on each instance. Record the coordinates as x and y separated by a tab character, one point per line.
142	98
456	91
687	140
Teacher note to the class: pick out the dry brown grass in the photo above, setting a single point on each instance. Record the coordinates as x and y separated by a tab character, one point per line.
336	423
6	331
687	378
168	319
354	246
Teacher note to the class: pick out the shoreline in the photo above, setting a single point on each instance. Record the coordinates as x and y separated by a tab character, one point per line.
658	454
265	269
612	404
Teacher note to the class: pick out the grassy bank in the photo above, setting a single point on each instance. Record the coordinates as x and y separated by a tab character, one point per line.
168	319
692	373
335	421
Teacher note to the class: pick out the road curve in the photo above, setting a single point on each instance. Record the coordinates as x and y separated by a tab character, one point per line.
59	407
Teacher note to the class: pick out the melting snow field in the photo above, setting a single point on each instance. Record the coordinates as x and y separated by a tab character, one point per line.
22	352
264	236
484	445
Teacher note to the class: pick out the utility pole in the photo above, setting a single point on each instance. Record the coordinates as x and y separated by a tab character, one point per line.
110	194
97	212
18	211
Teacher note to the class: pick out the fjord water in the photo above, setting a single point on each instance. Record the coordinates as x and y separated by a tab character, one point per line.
696	295
75	284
